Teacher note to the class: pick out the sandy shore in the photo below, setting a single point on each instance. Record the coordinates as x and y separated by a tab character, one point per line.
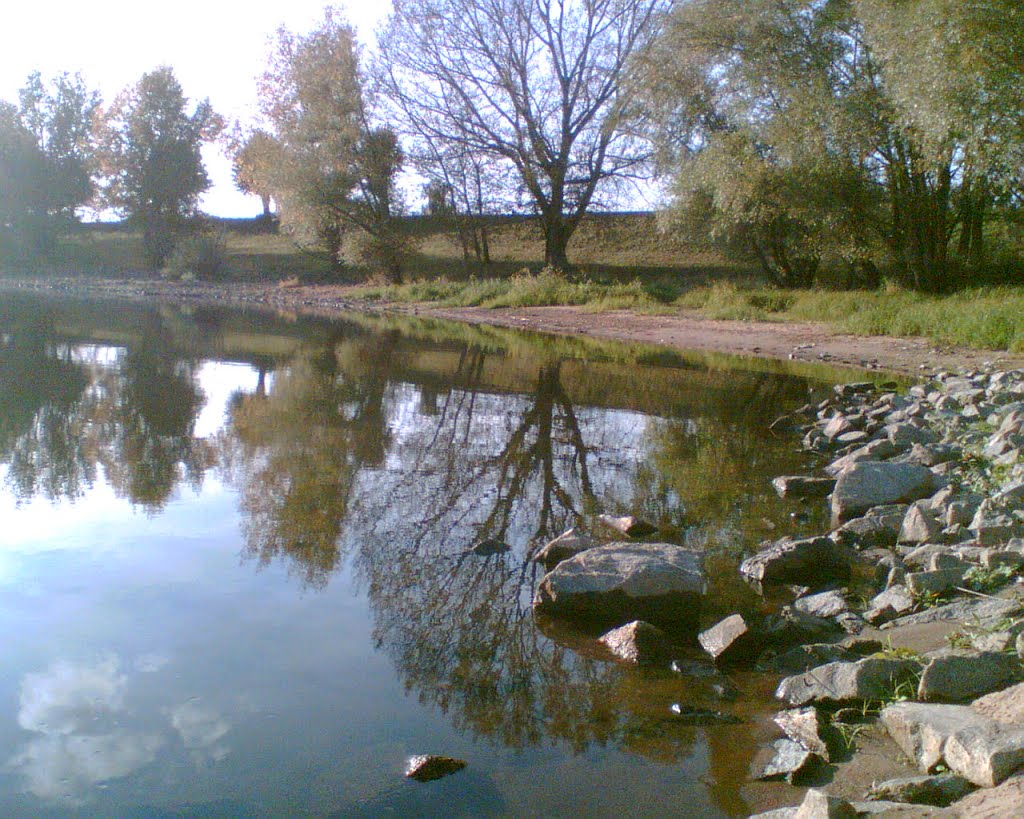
805	341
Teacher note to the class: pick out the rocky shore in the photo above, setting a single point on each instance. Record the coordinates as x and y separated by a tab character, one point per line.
906	620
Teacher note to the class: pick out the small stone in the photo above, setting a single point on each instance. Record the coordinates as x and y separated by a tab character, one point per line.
785	759
919	525
819	805
628	525
823	604
427	767
804	725
639	642
729	640
889	605
935	582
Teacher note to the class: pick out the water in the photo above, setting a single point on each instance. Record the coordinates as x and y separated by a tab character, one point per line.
235	579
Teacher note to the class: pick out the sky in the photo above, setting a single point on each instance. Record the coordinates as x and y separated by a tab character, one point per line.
217	48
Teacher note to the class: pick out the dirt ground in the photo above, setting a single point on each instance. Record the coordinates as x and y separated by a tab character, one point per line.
681	331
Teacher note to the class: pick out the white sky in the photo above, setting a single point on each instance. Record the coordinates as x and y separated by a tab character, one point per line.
216	47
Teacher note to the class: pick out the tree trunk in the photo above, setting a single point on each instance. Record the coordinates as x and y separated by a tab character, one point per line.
557	232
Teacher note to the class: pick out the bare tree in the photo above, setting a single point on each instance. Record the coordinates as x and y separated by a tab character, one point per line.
534	84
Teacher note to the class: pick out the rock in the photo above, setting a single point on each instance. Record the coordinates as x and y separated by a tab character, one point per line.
889	605
688	715
941	790
730	640
628	526
961	610
995	558
836	426
985	755
868	483
868	679
871	530
488	547
569	544
955	675
804	725
809	560
427	767
823	604
919	526
785	759
921	731
621	582
936	582
905	435
819	805
800	486
1006	706
994	803
639	642
875	451
802	658
792	626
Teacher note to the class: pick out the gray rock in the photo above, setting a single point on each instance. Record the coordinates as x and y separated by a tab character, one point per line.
955	675
922	731
1005	800
803	658
905	435
640	643
936	582
809	560
801	486
871	530
969	611
785	759
823	604
868	483
730	640
919	525
620	582
428	767
985	755
868	679
941	790
569	544
875	451
792	626
836	426
889	605
805	726
995	558
1006	706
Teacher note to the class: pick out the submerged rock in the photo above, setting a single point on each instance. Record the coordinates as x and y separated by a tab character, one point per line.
628	525
730	640
620	582
688	715
490	546
801	486
428	767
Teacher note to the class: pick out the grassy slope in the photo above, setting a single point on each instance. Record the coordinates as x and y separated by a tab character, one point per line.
624	262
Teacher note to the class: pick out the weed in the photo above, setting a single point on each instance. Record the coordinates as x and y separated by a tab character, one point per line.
983	580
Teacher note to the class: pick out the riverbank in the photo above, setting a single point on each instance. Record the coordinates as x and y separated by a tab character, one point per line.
679	329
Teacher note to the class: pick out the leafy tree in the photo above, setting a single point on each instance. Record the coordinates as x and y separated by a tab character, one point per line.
23	194
335	171
62	119
253	161
535	86
150	154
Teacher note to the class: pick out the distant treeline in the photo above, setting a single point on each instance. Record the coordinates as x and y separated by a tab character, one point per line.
826	142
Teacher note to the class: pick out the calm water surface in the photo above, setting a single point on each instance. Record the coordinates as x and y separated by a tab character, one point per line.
234	576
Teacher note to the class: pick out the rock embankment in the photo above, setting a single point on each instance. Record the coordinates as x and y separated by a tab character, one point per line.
928	514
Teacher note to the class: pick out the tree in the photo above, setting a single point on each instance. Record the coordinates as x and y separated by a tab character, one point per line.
150	154
253	161
335	172
62	119
536	86
23	194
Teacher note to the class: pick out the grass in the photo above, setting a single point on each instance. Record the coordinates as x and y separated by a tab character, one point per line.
986	318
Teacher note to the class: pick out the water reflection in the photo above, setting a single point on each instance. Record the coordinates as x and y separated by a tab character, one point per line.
395	451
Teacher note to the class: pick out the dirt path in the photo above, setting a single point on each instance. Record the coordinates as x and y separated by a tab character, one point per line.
804	341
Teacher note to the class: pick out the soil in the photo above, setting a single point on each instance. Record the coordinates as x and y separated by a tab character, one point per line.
805	341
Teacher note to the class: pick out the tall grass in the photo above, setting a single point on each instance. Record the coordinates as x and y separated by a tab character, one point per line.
987	318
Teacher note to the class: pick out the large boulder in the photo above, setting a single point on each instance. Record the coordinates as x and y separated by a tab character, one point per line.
871	483
807	561
872	678
955	675
568	544
621	582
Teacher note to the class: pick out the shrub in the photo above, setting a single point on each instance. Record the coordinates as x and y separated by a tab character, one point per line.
201	255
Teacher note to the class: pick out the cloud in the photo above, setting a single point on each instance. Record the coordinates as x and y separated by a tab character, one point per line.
201	730
69	696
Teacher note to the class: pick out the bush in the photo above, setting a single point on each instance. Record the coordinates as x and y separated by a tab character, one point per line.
202	255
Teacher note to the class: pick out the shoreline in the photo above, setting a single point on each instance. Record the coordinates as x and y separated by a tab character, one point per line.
683	330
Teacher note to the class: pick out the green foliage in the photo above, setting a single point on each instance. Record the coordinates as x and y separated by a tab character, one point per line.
981	579
150	151
199	255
